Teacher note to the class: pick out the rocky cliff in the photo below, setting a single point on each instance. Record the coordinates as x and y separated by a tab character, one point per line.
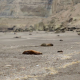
19	8
29	12
43	8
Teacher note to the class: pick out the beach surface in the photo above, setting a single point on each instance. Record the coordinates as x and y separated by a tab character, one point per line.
51	65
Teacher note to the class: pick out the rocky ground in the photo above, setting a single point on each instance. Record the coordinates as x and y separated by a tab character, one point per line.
51	65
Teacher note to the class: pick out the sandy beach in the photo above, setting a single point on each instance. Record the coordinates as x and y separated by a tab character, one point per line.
51	65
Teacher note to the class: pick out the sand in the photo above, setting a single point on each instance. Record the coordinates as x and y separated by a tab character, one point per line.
51	65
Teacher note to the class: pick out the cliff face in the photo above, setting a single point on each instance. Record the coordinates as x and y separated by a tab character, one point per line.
59	5
43	8
20	8
30	12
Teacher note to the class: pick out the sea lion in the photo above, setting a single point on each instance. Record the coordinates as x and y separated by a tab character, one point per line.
49	44
44	44
32	52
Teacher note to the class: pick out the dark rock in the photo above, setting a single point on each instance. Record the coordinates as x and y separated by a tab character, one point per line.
58	35
60	51
17	37
60	40
44	44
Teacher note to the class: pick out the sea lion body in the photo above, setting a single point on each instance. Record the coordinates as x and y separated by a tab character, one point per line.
49	44
32	52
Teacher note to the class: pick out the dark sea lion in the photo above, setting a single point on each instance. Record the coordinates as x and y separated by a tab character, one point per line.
32	52
49	44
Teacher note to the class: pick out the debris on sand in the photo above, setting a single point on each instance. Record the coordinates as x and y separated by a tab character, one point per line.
60	40
17	37
58	35
37	65
32	52
44	44
60	51
8	65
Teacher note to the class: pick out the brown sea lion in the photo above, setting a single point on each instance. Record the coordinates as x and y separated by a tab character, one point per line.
32	52
49	44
